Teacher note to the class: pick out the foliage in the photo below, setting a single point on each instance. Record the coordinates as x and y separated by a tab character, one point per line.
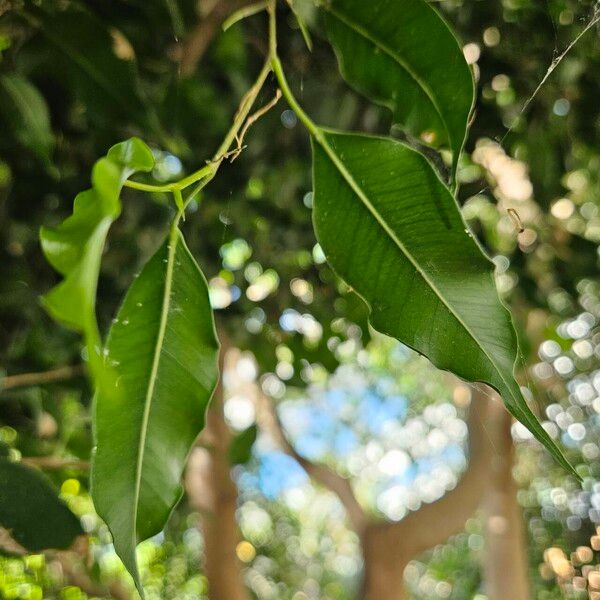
381	52
453	281
276	232
30	510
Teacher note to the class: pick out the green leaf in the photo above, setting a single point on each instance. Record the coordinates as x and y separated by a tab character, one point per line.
392	230
403	55
83	52
25	111
32	512
240	450
75	247
163	351
303	10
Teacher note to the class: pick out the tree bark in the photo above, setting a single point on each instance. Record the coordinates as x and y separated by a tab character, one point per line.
384	561
505	562
213	493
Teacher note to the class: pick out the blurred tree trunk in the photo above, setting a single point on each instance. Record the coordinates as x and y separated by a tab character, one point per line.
505	558
213	493
387	547
384	564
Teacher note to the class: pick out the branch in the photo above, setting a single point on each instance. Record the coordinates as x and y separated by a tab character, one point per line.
328	478
33	379
203	34
8	543
434	523
55	462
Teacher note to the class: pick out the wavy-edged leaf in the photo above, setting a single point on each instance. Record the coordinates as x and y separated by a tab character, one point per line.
402	54
30	509
26	112
163	351
74	248
392	230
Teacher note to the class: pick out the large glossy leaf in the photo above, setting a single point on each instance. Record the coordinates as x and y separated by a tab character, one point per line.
30	509
163	350
75	247
401	53
26	113
392	230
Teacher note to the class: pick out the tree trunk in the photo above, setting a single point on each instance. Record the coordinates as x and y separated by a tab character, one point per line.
388	547
383	569
213	493
505	562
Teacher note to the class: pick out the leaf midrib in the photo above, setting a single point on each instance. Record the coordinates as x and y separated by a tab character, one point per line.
160	338
376	42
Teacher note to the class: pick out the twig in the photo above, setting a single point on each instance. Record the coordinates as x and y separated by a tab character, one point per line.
55	462
8	544
250	121
33	379
555	62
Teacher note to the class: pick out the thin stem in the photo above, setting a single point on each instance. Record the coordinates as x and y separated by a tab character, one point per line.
243	13
55	462
192	178
242	113
147	187
206	173
281	79
178	198
291	100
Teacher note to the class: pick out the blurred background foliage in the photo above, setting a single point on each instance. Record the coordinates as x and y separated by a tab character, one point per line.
77	77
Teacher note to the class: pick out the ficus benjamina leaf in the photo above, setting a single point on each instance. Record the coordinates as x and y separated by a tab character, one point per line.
402	54
393	231
162	352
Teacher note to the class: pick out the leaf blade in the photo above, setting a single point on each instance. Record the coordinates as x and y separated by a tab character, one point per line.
82	53
74	248
391	53
27	114
425	279
31	510
165	393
